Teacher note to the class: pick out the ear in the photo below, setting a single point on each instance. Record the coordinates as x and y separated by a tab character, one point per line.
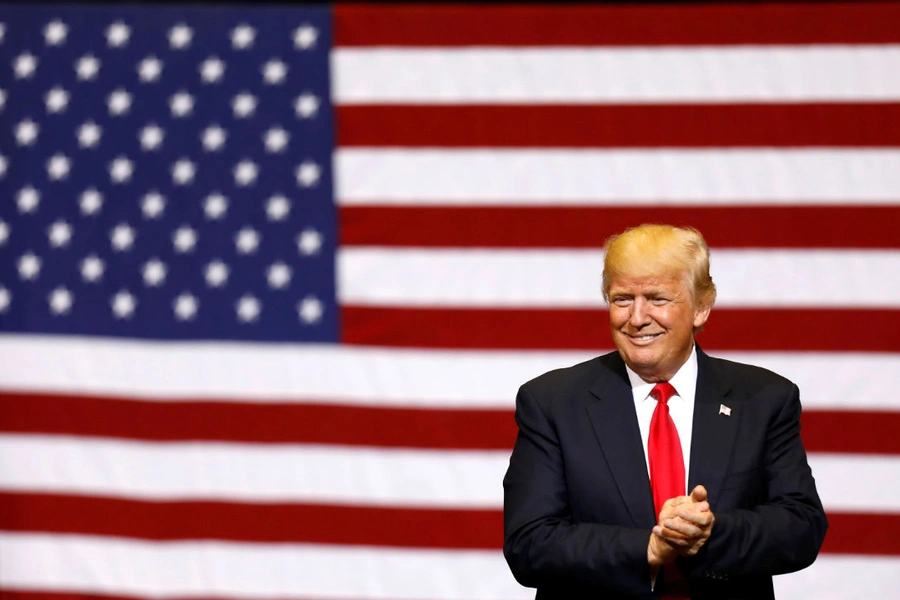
700	316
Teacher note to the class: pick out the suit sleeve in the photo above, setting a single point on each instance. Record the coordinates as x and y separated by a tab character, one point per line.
784	532
542	543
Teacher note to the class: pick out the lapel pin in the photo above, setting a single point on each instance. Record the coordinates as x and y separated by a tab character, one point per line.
724	410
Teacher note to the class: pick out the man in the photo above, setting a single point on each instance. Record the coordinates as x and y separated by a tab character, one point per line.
622	487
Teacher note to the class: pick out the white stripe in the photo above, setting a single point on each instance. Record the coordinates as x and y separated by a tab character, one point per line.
633	75
145	569
373	376
229	570
338	475
619	177
252	472
839	577
571	278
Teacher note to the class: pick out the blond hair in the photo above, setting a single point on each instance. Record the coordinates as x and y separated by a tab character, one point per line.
654	250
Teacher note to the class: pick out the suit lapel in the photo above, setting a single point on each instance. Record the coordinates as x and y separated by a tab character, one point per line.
714	433
615	424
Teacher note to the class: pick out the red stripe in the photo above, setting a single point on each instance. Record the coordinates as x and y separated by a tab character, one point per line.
839	227
271	522
870	432
632	126
857	432
325	524
434	428
567	25
587	329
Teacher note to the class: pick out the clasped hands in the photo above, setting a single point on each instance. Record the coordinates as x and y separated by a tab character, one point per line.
685	523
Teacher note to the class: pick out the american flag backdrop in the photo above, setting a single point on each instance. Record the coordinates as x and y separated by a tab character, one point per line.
271	277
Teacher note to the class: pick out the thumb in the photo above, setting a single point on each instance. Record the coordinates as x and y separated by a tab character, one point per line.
698	494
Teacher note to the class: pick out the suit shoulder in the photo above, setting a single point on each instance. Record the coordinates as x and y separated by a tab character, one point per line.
746	376
579	376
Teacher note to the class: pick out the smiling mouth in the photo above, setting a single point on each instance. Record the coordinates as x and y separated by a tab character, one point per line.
645	338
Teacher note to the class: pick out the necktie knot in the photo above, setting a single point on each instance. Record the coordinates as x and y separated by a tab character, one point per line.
662	392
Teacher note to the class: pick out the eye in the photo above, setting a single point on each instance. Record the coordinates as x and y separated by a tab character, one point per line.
621	301
659	300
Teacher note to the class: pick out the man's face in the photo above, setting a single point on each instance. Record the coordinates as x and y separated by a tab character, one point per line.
652	321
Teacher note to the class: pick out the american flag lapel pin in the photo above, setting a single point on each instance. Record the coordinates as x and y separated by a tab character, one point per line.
724	410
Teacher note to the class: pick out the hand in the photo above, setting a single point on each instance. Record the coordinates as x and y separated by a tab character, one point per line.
686	522
660	552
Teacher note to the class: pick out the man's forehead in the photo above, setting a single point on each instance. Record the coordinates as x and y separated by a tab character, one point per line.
645	283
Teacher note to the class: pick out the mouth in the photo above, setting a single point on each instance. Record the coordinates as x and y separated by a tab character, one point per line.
645	338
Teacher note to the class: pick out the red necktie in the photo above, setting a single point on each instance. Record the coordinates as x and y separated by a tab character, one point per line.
664	450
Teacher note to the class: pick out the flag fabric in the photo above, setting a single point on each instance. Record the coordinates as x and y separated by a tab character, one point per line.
271	277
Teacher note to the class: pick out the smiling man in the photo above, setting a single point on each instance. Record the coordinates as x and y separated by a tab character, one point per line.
656	470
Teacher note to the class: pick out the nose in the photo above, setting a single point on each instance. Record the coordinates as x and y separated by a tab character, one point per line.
639	317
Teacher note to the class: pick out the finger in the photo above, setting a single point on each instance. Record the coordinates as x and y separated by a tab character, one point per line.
698	518
681	528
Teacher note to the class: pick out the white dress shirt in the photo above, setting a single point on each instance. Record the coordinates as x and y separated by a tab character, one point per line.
681	407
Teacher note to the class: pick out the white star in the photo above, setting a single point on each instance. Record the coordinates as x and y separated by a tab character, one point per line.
308	174
245	172
92	268
278	207
60	300
185	307
56	100
122	237
27	132
215	206
214	138
310	310
149	69
2	31
154	272
55	33
2	99
305	37
184	239
28	199
243	105
152	205
5	299
276	139
212	69
152	136
181	104
4	232
246	241
3	166
242	37
29	266
117	34
58	167
180	36
119	102
274	72
59	234
279	275
247	308
183	172
123	304
25	65
216	274
309	241
121	169
87	67
91	201
89	134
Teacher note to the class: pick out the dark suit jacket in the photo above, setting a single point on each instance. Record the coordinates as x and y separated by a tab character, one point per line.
578	509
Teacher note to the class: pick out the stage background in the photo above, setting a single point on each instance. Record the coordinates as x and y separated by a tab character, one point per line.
271	277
